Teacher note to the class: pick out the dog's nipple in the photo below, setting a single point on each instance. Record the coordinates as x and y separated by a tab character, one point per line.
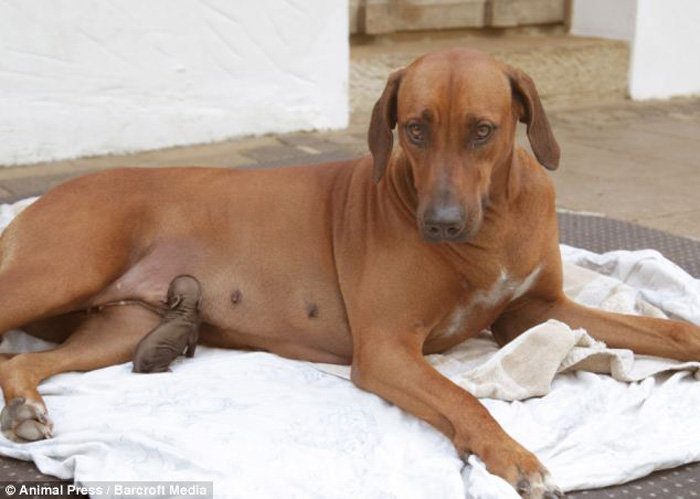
312	310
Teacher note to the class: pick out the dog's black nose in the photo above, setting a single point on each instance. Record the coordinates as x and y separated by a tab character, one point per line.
444	223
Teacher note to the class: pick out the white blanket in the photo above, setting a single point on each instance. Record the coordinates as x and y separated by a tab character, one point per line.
261	426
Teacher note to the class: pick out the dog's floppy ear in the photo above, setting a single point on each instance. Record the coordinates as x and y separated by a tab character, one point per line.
380	136
543	143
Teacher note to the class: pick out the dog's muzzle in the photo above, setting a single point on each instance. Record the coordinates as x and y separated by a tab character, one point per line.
444	224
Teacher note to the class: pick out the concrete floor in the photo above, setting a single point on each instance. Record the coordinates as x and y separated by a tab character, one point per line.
634	162
638	162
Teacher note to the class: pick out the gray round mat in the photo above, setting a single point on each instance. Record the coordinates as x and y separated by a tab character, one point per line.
602	234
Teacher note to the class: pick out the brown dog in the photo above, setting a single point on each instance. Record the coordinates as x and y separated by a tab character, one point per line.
408	252
177	332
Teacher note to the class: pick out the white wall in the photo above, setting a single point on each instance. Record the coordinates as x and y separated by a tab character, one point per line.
666	49
86	77
664	38
604	18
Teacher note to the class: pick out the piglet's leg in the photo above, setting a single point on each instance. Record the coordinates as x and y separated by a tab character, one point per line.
192	342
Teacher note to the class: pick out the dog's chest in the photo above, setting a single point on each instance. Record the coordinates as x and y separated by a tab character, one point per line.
480	307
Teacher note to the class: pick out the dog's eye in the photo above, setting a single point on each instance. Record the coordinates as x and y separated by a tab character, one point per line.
415	133
482	132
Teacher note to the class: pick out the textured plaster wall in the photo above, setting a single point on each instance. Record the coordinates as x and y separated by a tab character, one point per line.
86	77
666	49
664	38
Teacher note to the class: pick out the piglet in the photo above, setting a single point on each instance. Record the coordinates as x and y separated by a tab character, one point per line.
177	331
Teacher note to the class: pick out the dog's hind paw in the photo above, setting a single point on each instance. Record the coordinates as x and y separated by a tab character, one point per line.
25	420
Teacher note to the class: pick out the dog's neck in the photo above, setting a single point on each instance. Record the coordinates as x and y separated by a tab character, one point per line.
505	180
398	184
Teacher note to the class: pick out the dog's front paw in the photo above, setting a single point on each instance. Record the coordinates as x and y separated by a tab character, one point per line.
522	470
25	420
538	485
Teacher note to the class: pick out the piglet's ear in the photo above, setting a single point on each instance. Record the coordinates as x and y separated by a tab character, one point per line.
539	132
174	301
384	116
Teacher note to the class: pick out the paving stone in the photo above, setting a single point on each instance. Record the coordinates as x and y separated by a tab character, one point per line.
310	143
346	138
686	223
625	199
20	188
676	125
606	164
223	154
37	170
307	160
277	152
636	111
5	194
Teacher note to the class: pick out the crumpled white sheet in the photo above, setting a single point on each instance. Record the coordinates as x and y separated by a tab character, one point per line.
261	426
526	366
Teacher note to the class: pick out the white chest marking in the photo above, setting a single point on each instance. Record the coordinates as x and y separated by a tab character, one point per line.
456	321
525	285
504	289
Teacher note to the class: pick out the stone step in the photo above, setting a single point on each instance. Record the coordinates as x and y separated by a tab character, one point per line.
569	71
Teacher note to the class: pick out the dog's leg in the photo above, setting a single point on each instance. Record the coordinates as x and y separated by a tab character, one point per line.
643	335
103	339
62	250
37	284
397	372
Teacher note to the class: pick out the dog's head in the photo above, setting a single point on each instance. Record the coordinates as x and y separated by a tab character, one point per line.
456	113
